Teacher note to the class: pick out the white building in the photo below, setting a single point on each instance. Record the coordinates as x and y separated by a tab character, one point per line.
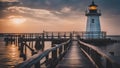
93	28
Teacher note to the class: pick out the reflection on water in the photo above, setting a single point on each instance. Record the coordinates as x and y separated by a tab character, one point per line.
9	56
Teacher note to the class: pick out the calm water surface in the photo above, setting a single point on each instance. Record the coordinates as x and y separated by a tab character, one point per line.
113	47
9	55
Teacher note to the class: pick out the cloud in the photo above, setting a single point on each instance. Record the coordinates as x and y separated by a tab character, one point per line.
51	4
39	14
43	14
66	9
5	4
40	19
9	0
108	7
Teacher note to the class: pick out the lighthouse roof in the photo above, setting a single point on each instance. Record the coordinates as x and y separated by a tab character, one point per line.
93	4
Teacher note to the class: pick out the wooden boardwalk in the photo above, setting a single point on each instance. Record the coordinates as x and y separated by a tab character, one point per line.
75	59
61	41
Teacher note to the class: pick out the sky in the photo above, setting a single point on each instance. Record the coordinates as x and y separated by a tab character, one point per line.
19	16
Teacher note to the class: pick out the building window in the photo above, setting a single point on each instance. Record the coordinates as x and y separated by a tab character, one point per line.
93	21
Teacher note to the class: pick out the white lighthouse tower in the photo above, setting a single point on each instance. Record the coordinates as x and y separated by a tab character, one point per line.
93	28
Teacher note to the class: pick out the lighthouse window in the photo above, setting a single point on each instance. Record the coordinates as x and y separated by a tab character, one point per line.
93	20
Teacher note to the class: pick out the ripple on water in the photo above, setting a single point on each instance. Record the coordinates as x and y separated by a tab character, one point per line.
9	56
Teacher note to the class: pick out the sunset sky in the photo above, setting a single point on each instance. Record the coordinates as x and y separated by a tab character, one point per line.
56	15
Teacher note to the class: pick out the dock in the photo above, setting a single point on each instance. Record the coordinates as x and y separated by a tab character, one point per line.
75	59
68	50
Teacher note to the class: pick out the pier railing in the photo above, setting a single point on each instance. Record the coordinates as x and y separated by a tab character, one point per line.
91	35
48	58
96	56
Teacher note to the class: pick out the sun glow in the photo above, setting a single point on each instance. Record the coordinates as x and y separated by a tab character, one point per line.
17	19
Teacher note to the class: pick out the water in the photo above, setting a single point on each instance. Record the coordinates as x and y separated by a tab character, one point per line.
9	55
113	47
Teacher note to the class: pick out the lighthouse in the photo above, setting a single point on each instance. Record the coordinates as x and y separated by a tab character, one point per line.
93	28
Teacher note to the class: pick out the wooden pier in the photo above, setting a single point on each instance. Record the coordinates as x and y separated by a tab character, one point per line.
75	59
67	51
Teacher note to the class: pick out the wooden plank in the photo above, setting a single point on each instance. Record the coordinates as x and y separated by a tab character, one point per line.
75	59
